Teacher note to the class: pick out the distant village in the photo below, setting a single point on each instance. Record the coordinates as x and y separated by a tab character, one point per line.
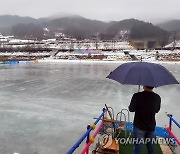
65	47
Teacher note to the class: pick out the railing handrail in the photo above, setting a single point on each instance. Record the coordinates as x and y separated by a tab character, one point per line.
92	139
172	134
170	116
76	145
169	129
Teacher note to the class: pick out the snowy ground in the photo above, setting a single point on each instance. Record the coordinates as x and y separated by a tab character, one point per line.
164	55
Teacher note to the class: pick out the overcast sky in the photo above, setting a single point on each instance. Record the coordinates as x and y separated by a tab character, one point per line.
106	10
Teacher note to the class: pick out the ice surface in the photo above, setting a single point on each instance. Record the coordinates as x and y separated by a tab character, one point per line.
45	107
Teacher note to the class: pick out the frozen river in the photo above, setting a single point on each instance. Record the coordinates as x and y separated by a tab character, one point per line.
45	107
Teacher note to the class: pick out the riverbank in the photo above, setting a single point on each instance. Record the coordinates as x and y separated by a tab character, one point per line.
99	61
113	57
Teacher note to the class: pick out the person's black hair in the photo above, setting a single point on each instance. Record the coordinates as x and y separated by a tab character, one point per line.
149	87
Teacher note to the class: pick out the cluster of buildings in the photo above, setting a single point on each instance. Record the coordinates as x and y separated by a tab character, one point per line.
70	48
63	44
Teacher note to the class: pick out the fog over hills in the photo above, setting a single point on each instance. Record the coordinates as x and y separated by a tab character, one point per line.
171	25
78	27
10	20
61	15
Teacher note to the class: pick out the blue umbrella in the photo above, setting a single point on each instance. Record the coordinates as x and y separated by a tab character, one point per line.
142	73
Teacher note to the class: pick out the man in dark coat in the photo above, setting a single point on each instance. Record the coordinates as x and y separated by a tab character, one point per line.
145	104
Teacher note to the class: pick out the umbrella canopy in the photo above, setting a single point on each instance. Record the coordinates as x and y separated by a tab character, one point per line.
142	73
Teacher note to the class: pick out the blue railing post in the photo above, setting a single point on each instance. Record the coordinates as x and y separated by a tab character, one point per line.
170	121
171	135
87	141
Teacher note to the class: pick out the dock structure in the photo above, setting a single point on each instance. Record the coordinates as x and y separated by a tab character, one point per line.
111	131
165	147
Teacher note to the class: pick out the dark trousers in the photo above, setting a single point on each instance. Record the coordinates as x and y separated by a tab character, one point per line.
143	137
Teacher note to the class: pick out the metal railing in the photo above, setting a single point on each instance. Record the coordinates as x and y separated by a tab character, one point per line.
86	134
169	128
